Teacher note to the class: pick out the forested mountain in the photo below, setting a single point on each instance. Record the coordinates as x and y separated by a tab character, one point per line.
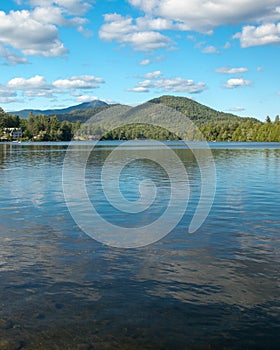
166	117
197	111
82	106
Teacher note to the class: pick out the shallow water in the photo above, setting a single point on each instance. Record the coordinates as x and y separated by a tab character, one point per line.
217	288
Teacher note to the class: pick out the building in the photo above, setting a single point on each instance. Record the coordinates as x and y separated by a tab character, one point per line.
14	133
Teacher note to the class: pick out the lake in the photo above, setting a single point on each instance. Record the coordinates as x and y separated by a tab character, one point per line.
68	282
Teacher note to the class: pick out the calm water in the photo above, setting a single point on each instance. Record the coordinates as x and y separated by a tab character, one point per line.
215	289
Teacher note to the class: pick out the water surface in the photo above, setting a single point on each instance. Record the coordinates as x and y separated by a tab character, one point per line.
215	289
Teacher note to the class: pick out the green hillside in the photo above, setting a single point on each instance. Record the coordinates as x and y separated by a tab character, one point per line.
198	112
166	117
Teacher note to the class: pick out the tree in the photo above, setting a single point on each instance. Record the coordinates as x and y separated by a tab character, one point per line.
267	119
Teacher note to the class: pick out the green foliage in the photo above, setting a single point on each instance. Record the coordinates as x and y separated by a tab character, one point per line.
139	123
83	115
8	121
39	127
195	111
140	131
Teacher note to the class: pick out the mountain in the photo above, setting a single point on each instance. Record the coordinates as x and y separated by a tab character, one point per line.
165	117
82	106
196	111
178	115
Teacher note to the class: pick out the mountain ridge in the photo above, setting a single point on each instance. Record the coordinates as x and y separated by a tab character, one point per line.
193	110
24	113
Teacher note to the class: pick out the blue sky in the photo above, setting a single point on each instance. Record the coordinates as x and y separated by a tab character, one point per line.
222	53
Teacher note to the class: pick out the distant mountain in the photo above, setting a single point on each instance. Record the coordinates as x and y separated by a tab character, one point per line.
197	112
164	117
85	105
179	115
94	115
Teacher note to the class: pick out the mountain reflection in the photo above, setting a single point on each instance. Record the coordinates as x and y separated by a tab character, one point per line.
217	288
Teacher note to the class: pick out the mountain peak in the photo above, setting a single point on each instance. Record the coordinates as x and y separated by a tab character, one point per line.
85	105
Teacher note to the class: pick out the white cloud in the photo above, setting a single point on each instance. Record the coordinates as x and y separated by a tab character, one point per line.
147	41
36	82
264	34
139	89
149	23
7	93
177	84
21	31
145	62
72	7
37	86
8	99
227	45
153	75
228	70
145	33
205	15
237	109
11	57
86	98
122	30
35	31
237	82
210	49
78	82
7	96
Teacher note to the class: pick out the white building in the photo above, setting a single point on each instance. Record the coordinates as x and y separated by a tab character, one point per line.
15	133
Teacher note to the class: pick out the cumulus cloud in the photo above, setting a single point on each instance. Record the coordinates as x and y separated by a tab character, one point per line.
122	30
86	98
8	99
10	57
210	49
177	84
21	31
35	31
264	34
228	70
37	86
204	15
35	82
7	96
153	75
78	82
237	82
73	7
145	62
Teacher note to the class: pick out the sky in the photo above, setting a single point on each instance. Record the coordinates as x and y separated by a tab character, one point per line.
222	53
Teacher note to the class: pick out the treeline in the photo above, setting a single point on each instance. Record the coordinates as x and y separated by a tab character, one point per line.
50	128
140	131
39	127
254	131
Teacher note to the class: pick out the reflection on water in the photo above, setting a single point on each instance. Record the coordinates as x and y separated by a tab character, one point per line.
217	288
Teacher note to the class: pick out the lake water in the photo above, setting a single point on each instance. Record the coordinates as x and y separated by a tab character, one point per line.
216	288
